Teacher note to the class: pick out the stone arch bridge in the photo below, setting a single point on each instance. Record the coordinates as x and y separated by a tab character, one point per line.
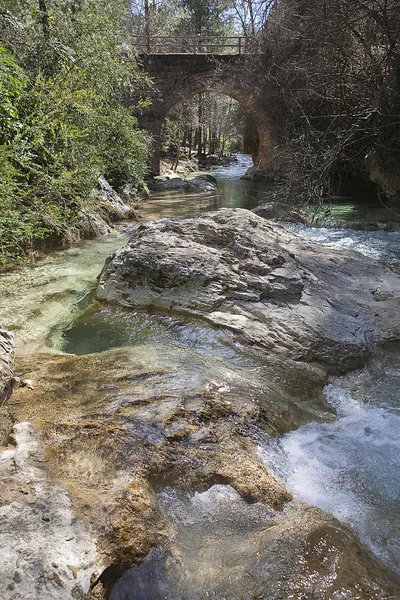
177	76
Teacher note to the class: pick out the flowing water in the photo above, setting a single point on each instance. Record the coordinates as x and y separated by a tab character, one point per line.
348	465
232	193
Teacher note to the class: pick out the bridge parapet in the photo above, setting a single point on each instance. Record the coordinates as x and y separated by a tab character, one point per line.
194	44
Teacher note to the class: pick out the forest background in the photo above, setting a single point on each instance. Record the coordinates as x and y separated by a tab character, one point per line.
327	73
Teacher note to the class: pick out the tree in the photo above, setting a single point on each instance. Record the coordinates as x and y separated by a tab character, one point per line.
206	124
331	87
250	15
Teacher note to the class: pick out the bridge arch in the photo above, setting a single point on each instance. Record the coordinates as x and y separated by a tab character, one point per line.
177	77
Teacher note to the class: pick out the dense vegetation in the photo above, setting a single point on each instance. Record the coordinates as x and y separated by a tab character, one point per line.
65	71
329	74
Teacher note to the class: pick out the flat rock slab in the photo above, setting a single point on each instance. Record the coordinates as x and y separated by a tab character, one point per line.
277	291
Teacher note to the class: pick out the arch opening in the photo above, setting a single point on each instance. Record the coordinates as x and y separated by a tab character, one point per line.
258	140
208	126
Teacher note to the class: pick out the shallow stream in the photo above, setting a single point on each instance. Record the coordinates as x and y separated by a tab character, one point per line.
347	464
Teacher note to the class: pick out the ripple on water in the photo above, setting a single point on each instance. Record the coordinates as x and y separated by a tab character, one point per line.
380	245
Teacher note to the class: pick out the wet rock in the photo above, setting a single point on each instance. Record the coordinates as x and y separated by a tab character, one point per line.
362	226
122	443
278	292
142	428
201	183
166	183
304	553
283	212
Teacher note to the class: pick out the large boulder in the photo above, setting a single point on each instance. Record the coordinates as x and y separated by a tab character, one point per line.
108	205
201	183
278	292
103	208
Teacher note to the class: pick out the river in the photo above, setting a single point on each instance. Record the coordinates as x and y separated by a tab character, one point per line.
347	465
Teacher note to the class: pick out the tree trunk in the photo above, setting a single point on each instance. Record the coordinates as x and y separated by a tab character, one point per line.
44	19
190	142
199	129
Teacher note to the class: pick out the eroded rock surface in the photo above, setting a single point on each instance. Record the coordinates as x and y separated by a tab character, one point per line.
45	551
277	291
119	429
223	548
121	432
6	359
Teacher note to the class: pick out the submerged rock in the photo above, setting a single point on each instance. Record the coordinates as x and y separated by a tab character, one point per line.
225	548
277	291
141	431
121	427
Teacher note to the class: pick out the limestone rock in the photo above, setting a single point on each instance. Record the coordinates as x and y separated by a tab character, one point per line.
6	359
47	553
202	183
92	225
108	204
304	553
279	211
166	183
277	291
133	192
198	184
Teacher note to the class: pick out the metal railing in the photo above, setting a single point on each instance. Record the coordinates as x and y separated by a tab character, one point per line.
194	44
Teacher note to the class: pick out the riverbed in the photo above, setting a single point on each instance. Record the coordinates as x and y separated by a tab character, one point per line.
337	449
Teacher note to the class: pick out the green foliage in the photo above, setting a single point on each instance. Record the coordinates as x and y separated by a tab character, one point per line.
12	83
123	148
63	119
